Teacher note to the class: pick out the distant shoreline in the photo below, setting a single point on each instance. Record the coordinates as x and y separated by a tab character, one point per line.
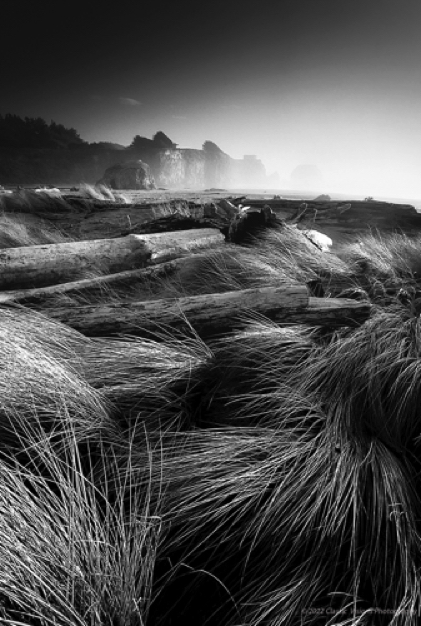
288	194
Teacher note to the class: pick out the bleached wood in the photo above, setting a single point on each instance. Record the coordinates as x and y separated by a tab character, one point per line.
211	311
140	277
86	285
331	312
50	264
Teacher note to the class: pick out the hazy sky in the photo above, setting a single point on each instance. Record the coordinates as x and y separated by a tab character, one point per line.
333	83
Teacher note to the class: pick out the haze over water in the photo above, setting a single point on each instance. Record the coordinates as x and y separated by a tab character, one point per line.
330	84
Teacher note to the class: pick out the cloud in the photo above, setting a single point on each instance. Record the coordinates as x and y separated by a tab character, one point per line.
129	101
179	117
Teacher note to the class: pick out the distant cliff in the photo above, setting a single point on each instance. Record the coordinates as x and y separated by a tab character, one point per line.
172	168
184	167
54	162
181	168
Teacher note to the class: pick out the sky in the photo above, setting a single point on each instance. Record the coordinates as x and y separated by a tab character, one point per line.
334	85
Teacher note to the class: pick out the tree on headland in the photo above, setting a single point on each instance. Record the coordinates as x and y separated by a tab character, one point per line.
141	143
209	146
29	132
163	141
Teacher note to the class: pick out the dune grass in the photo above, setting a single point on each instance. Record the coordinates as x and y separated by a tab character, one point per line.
222	269
276	255
384	263
16	232
102	192
69	556
145	380
47	202
287	524
29	201
304	492
286	248
245	381
268	477
371	378
41	383
69	552
391	254
33	329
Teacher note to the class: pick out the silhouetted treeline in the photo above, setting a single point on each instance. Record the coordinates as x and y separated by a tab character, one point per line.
33	152
34	132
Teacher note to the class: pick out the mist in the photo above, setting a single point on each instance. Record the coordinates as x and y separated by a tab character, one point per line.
328	84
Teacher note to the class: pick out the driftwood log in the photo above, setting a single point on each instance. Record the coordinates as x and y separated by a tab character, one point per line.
42	265
213	313
329	286
206	313
89	285
330	312
145	276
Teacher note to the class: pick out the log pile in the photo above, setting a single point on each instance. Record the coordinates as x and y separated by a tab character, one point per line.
101	218
43	265
353	215
214	314
33	274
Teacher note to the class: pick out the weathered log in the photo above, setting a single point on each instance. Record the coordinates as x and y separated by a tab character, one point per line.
146	275
171	223
214	312
330	312
167	246
86	285
54	263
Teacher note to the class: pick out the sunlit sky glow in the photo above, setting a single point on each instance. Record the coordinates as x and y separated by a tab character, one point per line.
332	83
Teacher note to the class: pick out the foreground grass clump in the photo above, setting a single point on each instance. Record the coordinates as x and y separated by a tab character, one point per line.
39	385
15	232
146	380
316	506
286	524
34	329
69	556
29	201
69	552
289	251
384	262
245	382
370	379
102	192
227	268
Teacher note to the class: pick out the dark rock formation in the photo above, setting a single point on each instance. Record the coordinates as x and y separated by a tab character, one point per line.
129	175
